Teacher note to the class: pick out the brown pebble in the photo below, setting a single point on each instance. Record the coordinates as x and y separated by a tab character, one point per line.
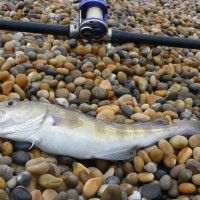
91	186
82	50
49	194
145	177
21	80
62	93
196	153
170	160
138	164
4	76
49	182
7	87
78	167
184	154
187	188
6	148
144	155
156	155
102	51
194	141
38	168
2	183
126	187
84	177
36	194
112	192
132	178
165	146
106	115
178	141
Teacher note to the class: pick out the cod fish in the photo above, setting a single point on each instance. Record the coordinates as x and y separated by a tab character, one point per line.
57	130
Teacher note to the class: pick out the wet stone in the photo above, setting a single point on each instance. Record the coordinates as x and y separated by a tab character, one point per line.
20	157
112	192
151	191
20	193
24	178
126	110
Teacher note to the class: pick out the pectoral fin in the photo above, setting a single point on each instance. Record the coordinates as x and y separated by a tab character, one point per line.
118	155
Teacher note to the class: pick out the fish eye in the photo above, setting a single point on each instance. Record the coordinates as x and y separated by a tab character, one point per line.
11	103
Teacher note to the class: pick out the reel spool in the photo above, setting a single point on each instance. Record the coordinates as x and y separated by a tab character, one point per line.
93	19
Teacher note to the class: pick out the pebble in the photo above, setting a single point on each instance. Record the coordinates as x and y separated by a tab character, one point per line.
165	182
187	188
49	194
6	172
144	177
4	195
49	182
92	186
24	178
178	141
112	192
106	115
151	191
150	167
20	193
20	157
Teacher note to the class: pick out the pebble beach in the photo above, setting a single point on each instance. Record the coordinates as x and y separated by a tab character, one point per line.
124	84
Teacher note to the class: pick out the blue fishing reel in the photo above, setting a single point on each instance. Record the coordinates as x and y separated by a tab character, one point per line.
93	19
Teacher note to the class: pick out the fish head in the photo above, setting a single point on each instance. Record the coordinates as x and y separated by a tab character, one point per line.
19	119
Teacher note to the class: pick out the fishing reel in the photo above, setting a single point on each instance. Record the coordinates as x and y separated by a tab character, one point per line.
93	19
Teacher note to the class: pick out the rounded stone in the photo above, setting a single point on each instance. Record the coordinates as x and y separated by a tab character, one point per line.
24	178
194	141
196	179
21	146
99	93
20	193
4	76
7	148
140	117
84	94
165	146
196	153
38	168
145	177
185	176
151	191
72	194
62	93
106	115
4	195
178	141
92	186
165	182
112	192
156	155
184	154
49	182
7	87
187	188
82	50
112	180
150	167
49	194
138	164
170	160
20	157
6	172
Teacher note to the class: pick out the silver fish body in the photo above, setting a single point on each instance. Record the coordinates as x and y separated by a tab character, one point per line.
61	131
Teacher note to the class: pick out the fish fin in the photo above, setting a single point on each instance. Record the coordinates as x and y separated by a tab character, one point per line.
119	155
34	143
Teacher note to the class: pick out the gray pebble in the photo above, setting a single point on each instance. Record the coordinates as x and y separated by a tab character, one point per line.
165	182
173	191
151	191
150	167
113	180
61	196
6	160
20	193
99	93
24	178
193	165
11	183
6	172
175	171
72	194
20	157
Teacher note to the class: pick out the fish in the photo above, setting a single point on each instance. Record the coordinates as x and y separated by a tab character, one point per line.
62	131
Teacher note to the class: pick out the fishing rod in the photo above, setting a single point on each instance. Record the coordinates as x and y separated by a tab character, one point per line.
92	25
